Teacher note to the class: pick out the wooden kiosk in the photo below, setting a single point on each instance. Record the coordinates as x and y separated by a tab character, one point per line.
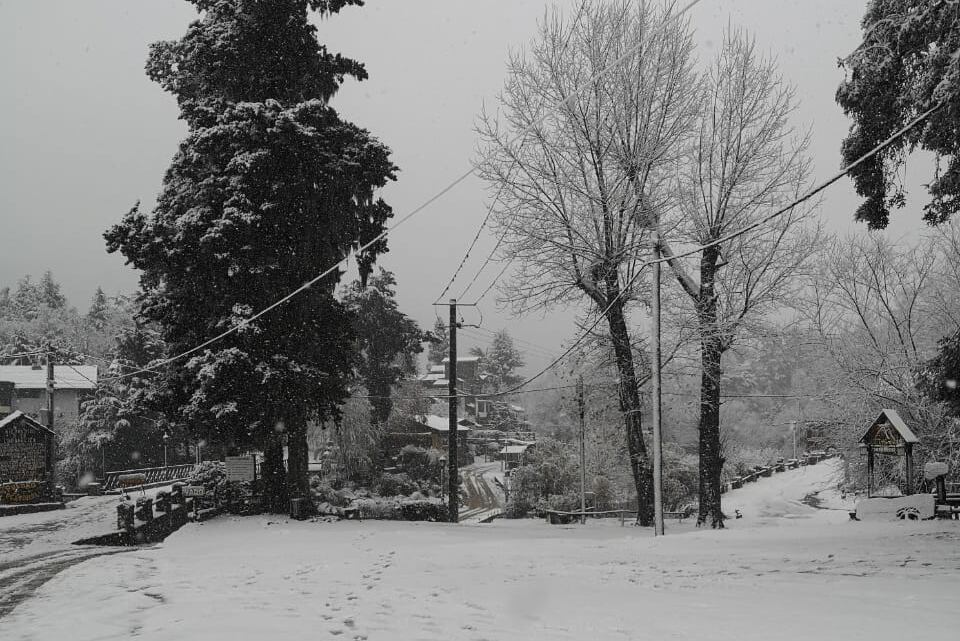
888	435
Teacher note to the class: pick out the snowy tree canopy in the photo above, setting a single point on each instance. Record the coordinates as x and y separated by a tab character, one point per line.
909	62
269	189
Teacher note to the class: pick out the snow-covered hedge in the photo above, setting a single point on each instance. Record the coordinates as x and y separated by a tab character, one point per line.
212	475
401	509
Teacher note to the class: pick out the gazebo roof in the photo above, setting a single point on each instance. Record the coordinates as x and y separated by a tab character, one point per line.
888	417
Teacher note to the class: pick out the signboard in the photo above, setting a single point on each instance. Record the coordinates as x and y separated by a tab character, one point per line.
241	468
194	490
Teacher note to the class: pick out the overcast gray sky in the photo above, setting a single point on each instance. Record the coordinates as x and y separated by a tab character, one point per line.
84	134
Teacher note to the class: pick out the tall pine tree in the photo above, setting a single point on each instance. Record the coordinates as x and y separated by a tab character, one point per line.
270	188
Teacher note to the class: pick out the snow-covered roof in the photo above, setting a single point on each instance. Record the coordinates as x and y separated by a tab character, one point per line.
515	449
464	359
20	416
64	376
893	418
442	424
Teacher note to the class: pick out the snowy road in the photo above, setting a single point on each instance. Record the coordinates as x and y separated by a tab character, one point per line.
36	547
484	497
785	571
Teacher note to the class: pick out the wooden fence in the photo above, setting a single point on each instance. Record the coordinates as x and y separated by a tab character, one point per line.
121	479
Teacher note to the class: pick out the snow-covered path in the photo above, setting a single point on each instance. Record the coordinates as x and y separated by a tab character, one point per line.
36	547
484	498
806	573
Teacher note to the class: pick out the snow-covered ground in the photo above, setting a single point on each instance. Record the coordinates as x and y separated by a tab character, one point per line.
36	547
786	570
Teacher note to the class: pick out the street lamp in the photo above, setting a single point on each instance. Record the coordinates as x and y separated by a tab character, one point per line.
166	437
443	469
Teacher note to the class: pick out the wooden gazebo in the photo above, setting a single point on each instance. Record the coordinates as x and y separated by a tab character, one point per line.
888	435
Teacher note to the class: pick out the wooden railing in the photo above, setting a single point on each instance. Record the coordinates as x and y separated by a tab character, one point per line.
146	476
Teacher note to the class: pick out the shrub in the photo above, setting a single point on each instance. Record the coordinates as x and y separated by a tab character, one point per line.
420	464
395	485
423	510
603	494
517	508
399	509
324	493
569	502
212	475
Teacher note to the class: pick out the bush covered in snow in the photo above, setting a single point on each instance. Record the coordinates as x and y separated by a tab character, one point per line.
420	464
395	485
402	509
212	475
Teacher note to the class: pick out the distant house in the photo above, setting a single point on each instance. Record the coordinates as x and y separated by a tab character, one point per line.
472	384
515	454
72	384
430	431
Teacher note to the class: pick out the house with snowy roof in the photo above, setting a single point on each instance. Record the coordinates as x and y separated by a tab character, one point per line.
430	431
24	388
472	384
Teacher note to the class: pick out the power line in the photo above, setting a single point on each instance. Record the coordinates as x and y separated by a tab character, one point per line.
460	394
473	243
243	323
523	342
810	194
730	236
483	266
496	198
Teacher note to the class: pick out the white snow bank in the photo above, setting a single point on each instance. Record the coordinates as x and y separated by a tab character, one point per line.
779	577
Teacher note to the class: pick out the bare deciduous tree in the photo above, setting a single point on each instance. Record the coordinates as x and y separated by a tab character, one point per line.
880	307
581	183
745	162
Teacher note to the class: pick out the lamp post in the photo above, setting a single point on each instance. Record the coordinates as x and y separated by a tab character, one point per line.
166	437
443	469
793	427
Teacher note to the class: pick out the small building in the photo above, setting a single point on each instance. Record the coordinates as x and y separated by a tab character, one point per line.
26	457
439	436
889	435
429	431
515	454
72	384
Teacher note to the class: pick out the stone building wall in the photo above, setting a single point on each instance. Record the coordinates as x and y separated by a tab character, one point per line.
22	454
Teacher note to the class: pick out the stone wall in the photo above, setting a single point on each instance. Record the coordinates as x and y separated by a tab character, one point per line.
22	454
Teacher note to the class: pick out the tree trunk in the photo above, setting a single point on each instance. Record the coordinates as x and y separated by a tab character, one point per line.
640	463
298	455
274	483
711	459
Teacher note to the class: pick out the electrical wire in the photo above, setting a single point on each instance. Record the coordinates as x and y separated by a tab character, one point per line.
496	198
520	136
810	194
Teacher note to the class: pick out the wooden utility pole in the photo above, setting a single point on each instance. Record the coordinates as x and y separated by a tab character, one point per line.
453	505
583	467
51	476
657	389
